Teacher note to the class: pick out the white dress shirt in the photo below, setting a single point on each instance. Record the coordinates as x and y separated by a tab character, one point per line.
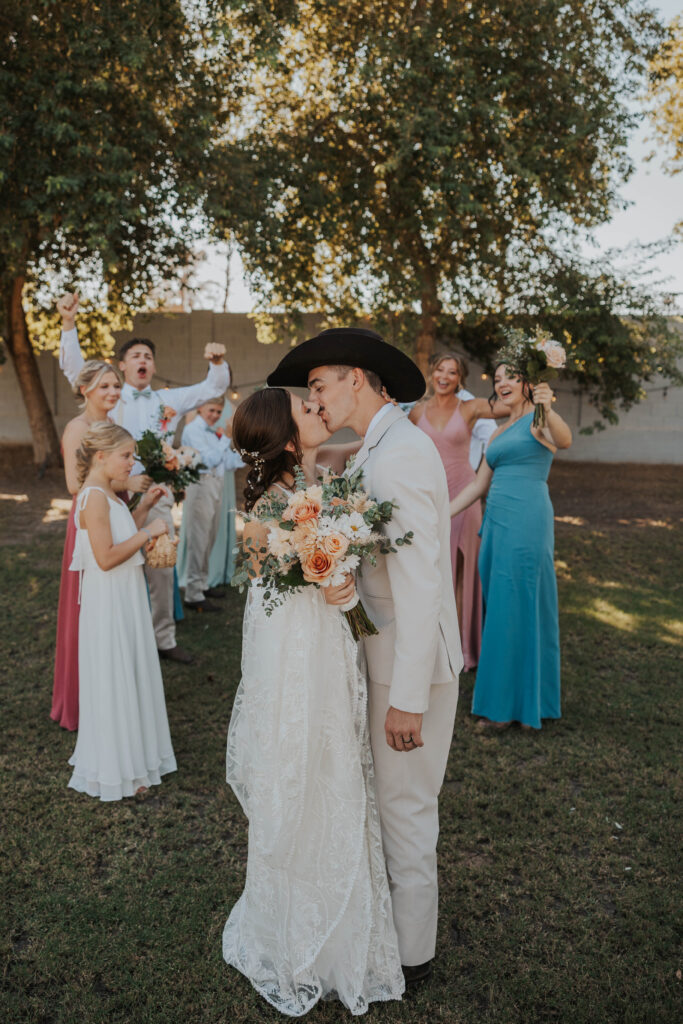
380	414
216	452
142	409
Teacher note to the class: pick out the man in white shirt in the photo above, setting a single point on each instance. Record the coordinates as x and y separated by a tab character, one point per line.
140	409
202	506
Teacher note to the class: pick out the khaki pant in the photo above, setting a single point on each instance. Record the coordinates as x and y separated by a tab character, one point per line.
160	583
408	786
201	513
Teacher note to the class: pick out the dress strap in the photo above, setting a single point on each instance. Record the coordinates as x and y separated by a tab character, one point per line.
83	500
285	490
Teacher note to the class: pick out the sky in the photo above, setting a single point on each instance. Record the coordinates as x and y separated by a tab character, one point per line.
655	205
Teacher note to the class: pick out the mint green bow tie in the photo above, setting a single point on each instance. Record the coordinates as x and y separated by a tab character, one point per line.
145	393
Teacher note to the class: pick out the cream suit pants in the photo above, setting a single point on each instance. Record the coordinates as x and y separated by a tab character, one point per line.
160	583
408	786
201	513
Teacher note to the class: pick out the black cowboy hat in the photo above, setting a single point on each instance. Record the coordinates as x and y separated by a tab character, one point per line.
351	346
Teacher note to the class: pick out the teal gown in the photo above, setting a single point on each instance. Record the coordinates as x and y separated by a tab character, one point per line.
518	678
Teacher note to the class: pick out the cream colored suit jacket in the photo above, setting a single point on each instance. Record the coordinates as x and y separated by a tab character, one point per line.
409	594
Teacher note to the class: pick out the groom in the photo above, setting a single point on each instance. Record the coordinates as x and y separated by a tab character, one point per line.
414	661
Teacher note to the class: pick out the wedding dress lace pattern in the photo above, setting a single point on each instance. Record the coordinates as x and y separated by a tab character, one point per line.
315	918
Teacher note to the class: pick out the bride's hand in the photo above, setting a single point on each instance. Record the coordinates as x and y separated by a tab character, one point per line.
341	594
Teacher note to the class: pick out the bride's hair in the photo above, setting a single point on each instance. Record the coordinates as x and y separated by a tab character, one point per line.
262	427
102	437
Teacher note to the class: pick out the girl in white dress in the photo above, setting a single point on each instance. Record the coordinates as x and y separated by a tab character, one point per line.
123	743
315	917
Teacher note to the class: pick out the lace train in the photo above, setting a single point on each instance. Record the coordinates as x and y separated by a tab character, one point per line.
315	916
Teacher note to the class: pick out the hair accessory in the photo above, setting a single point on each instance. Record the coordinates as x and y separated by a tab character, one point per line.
257	460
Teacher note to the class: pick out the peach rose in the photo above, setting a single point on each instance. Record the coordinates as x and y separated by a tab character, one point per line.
335	544
318	566
554	353
171	461
304	538
304	505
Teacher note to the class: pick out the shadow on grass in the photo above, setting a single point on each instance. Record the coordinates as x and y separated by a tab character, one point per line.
557	849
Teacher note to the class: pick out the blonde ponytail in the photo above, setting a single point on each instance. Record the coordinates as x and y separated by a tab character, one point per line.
102	437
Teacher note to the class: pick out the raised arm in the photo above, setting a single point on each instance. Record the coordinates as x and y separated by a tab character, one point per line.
71	359
183	400
480	409
556	433
71	442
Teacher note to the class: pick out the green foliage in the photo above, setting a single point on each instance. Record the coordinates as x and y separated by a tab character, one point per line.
431	166
666	95
107	112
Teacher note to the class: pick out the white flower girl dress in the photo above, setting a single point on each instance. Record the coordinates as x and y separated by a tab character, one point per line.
123	736
314	919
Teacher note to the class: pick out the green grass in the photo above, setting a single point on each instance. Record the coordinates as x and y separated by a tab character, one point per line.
114	912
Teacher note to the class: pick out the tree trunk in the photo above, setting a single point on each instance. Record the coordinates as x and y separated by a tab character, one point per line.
431	308
45	439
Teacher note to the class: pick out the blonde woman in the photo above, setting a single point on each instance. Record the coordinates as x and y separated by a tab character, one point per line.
124	743
99	386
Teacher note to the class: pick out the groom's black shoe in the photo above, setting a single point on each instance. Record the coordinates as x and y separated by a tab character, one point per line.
421	972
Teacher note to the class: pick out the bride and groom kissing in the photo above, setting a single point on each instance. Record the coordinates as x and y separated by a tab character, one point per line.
338	755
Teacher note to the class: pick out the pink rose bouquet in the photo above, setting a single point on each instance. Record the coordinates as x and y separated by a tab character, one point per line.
534	359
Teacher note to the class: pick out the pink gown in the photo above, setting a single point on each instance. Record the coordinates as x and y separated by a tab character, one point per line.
453	443
65	686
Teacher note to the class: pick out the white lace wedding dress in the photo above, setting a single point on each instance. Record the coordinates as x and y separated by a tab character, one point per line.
315	917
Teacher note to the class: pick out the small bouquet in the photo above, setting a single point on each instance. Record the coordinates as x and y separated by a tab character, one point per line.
533	359
317	535
175	467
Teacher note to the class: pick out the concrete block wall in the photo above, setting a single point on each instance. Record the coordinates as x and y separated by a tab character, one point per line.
651	432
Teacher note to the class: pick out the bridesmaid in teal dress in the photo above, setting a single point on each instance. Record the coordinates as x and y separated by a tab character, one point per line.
518	679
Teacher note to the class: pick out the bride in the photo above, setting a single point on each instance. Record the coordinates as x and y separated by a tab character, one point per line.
314	919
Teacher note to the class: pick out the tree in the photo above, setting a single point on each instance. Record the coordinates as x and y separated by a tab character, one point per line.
429	165
107	112
666	95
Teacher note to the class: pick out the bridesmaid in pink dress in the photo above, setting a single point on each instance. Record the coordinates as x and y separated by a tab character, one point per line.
99	384
448	421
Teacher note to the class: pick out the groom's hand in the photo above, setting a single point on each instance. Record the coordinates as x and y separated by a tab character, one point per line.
403	730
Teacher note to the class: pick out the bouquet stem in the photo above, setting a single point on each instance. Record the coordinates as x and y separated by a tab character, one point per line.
359	622
539	416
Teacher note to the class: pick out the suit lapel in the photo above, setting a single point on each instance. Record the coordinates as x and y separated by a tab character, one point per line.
372	439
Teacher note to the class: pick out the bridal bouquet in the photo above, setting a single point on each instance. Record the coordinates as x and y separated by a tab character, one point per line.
317	535
175	467
533	359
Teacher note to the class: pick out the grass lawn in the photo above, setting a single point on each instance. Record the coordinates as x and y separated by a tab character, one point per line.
558	850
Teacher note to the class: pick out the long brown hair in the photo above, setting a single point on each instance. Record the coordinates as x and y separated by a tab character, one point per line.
261	428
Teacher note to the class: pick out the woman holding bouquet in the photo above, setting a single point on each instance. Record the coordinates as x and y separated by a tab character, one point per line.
518	678
315	915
